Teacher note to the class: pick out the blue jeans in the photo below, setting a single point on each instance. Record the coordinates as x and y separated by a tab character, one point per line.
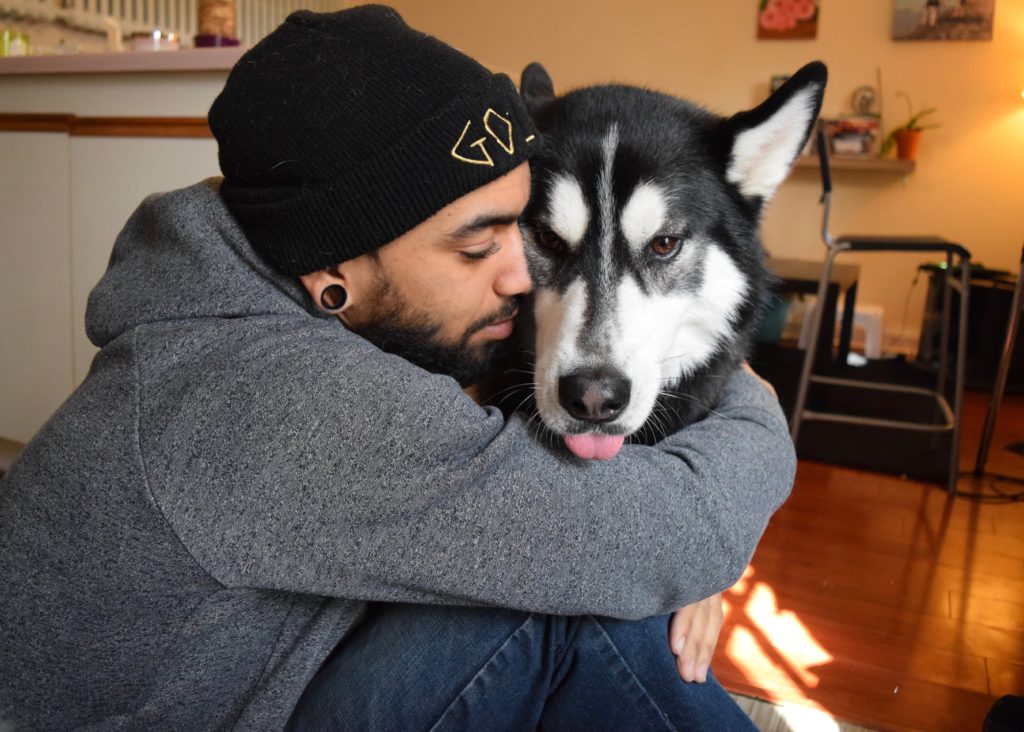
412	667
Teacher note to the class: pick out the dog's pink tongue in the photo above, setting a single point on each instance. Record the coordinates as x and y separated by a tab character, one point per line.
594	445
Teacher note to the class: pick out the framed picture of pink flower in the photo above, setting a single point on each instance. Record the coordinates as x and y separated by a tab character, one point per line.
787	19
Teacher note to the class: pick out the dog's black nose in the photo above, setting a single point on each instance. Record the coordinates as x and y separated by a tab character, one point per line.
594	395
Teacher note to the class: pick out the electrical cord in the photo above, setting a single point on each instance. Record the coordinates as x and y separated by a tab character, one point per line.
995	495
906	308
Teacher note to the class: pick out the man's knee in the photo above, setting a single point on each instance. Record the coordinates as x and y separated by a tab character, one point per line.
627	671
413	667
407	666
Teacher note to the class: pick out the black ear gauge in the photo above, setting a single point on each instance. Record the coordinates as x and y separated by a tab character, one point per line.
333	299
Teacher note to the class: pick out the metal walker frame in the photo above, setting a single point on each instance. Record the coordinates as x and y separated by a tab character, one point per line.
836	246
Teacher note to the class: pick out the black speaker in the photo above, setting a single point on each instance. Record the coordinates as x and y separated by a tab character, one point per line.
987	318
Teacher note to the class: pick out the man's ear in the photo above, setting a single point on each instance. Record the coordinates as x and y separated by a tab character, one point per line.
316	282
536	89
763	143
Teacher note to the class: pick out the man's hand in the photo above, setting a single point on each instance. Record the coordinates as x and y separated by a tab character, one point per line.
693	635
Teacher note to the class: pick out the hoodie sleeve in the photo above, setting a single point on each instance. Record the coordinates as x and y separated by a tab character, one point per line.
352	473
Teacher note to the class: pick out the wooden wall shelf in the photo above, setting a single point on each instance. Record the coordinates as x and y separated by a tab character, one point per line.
849	162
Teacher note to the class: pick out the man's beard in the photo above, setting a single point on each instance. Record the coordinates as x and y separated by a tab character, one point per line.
399	329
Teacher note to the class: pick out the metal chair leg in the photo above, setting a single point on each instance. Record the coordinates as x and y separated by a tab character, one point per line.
1004	367
961	367
812	347
947	306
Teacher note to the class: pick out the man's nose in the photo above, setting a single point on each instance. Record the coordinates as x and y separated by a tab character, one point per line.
514	278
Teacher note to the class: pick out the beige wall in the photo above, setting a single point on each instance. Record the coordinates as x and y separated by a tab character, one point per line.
969	184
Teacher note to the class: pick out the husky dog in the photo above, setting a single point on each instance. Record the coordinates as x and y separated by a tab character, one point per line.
642	241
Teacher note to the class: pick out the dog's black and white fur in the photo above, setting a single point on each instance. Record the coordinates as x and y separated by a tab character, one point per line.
642	240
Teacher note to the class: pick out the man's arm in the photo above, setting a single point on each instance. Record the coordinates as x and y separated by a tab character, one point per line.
375	480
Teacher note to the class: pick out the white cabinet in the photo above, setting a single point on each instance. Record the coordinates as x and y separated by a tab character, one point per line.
65	195
63	200
36	370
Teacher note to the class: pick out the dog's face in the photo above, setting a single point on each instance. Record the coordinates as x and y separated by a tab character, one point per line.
642	242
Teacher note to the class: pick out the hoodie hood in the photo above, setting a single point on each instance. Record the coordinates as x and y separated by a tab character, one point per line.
181	256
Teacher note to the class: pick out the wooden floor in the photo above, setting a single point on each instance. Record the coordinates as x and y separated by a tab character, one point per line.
879	601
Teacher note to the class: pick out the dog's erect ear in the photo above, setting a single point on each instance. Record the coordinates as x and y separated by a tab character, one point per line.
764	142
536	89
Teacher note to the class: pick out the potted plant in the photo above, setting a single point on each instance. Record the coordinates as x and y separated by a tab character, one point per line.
907	136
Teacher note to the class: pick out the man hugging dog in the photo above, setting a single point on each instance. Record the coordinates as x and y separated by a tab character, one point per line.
271	504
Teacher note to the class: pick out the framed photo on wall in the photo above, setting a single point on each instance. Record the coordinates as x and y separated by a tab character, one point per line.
787	19
942	20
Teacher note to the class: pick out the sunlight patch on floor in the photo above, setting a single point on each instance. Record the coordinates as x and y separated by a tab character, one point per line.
768	644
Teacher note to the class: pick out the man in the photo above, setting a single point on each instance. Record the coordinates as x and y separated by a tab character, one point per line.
271	504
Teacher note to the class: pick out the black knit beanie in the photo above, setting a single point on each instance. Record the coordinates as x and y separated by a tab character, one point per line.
339	132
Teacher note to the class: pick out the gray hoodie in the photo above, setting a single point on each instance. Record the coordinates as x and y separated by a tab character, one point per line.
189	536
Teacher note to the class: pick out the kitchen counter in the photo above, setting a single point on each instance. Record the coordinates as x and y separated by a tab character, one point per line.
189	59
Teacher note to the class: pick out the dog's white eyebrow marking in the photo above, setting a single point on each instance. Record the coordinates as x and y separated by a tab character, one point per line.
724	285
568	214
606	200
643	215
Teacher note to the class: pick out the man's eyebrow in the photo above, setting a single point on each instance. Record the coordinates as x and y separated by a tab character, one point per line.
484	221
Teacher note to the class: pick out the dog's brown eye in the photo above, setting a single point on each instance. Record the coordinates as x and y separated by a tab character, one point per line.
665	246
551	241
